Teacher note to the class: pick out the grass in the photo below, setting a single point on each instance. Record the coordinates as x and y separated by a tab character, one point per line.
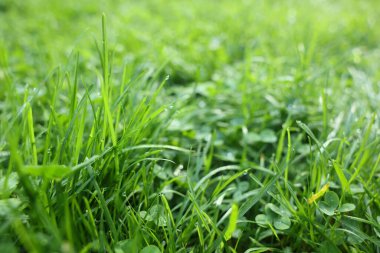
189	126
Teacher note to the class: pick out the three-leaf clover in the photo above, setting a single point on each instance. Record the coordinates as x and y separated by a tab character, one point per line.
155	214
278	217
330	205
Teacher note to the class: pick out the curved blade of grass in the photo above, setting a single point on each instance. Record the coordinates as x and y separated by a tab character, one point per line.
232	224
256	198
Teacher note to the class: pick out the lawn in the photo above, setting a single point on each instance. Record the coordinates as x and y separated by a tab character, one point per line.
189	126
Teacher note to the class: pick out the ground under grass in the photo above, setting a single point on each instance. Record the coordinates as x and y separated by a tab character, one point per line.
189	126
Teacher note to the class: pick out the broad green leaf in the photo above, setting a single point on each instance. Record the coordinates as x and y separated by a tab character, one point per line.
157	214
332	199
347	207
326	209
161	172
127	246
273	208
252	138
150	249
282	223
281	211
262	220
268	136
330	203
269	213
145	216
356	188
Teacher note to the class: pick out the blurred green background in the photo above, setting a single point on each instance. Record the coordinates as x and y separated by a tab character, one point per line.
240	73
196	37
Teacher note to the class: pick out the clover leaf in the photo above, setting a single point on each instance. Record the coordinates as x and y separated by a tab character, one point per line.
274	215
347	207
282	223
330	204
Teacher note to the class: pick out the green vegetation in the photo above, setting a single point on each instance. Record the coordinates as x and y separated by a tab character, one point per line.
189	126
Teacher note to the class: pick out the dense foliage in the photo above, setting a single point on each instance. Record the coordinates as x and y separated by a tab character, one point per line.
189	126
